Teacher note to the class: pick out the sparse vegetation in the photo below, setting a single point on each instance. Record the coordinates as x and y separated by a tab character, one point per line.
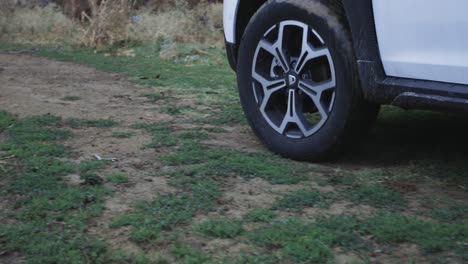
6	120
117	178
222	228
123	134
100	123
260	215
71	98
300	199
37	177
207	190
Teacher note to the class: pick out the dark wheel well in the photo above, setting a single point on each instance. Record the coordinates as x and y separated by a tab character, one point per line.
247	9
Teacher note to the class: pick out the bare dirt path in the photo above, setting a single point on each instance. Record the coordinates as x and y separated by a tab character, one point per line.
32	85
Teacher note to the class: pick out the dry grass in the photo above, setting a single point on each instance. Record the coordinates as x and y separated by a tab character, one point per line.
113	23
36	25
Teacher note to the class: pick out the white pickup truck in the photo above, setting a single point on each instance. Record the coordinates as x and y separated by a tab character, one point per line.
312	74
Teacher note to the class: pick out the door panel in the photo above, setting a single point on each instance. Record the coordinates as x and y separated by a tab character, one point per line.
423	39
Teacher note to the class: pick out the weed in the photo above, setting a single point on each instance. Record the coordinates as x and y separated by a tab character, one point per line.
71	98
91	165
222	228
122	258
346	230
258	259
170	110
187	255
117	178
297	241
365	186
121	134
300	199
6	119
278	233
260	215
432	237
377	196
100	123
91	179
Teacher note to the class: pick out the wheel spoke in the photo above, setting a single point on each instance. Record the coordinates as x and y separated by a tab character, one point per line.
315	93
292	115
276	49
308	52
269	87
316	89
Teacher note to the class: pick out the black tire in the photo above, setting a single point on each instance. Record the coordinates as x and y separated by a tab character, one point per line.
350	116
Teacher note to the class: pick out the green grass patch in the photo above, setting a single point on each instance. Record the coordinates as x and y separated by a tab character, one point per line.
365	187
221	228
300	199
50	216
256	258
165	213
260	215
99	123
451	211
170	110
301	242
91	179
228	163
6	119
430	236
187	255
151	218
117	178
193	134
295	241
377	196
91	165
123	134
71	98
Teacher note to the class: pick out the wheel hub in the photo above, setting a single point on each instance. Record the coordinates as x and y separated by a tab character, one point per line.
291	80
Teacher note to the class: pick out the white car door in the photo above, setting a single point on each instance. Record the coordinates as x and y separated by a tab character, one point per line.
423	39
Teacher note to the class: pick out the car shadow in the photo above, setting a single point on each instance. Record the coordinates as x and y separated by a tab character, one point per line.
436	141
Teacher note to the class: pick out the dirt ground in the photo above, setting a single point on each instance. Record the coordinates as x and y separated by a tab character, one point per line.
32	85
